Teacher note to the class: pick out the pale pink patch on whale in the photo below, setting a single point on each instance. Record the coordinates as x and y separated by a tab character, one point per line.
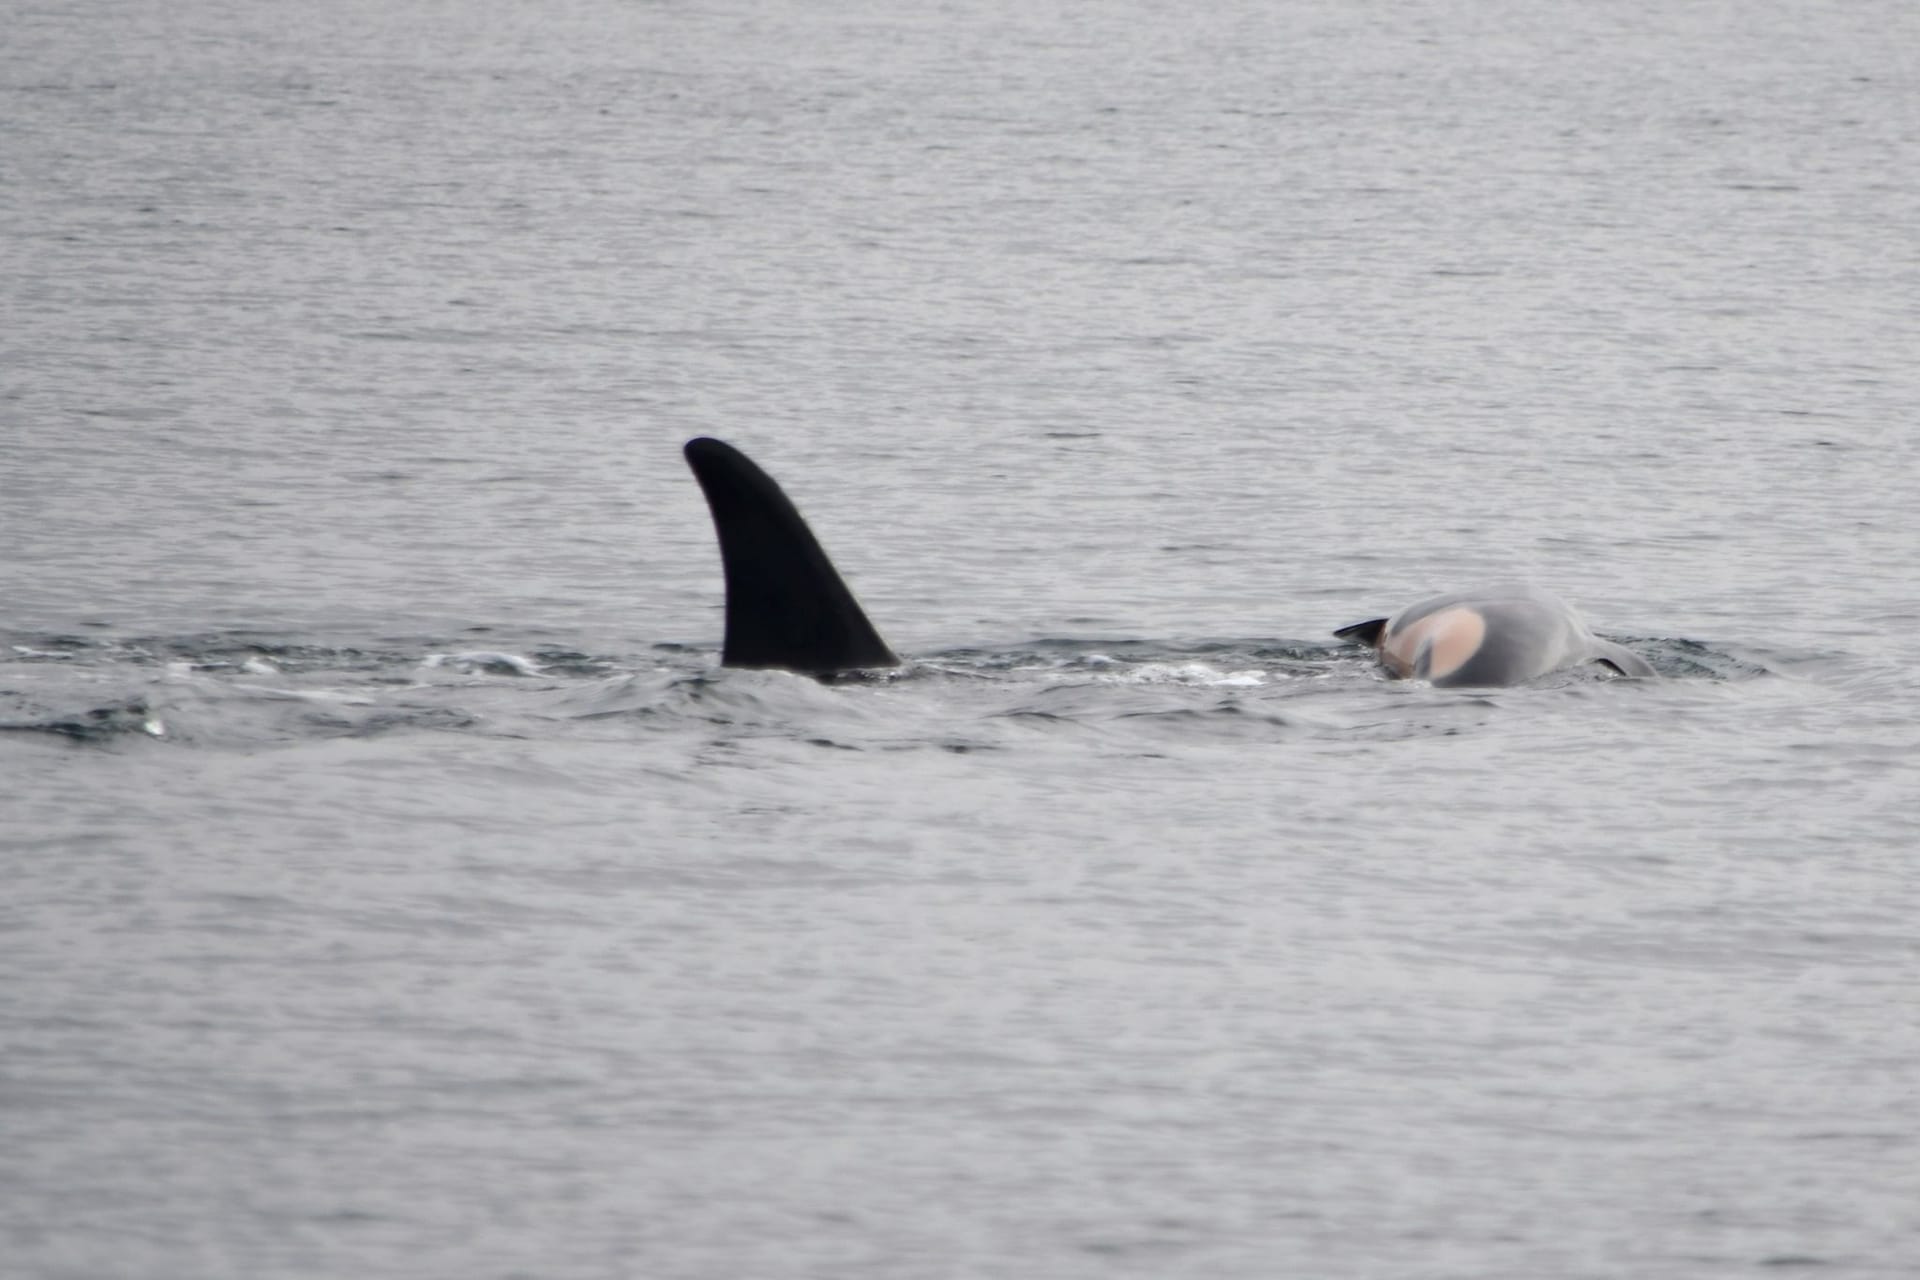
1454	635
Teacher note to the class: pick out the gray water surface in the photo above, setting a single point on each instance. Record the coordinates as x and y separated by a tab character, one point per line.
397	886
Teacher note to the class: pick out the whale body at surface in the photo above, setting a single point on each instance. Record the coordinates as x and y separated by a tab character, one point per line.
1491	636
788	608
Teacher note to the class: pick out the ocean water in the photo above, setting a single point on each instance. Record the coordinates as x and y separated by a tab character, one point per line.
398	887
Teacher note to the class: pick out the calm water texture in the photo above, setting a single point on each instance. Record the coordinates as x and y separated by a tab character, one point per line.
395	885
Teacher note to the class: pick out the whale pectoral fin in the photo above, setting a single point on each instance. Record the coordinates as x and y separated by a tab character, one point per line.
786	604
1367	633
1622	660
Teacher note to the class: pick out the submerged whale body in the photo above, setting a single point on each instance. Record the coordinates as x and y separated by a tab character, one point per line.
787	607
1493	636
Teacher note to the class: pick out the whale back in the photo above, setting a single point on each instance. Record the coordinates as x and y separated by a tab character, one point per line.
1492	636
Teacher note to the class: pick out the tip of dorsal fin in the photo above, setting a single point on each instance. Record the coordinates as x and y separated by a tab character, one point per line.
1367	633
786	604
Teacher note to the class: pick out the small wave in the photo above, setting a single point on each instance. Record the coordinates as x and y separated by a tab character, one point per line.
100	724
342	697
486	662
1185	673
1682	659
40	655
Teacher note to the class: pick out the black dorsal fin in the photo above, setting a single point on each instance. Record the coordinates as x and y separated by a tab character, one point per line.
786	605
1367	633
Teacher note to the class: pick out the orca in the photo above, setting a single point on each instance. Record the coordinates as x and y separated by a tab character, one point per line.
1498	635
786	605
